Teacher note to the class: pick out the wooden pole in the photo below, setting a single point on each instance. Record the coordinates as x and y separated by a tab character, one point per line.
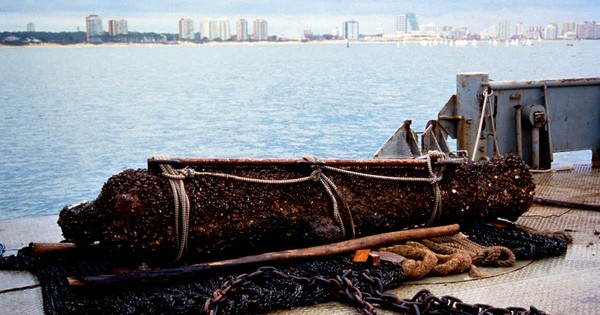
566	204
169	274
38	249
268	162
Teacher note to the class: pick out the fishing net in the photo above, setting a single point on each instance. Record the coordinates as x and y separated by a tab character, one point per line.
250	289
260	292
525	245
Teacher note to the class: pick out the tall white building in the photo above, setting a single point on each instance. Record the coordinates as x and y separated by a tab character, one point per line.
222	31
215	30
186	29
568	27
521	29
117	27
242	30
503	30
406	23
261	30
93	26
205	27
30	27
351	30
550	31
401	24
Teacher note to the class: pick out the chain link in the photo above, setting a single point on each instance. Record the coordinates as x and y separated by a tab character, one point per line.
345	289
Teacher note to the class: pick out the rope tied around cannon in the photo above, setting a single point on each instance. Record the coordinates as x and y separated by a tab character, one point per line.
182	207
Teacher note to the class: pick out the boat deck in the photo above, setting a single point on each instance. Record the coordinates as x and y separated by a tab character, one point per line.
560	285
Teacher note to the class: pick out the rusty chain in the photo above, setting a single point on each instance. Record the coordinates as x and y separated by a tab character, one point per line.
344	289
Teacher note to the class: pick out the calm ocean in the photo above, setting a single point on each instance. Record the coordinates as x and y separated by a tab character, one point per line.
73	116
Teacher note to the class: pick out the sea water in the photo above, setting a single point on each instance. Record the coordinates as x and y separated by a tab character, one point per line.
73	116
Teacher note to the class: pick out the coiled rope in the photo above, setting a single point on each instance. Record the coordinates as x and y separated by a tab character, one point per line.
447	255
182	204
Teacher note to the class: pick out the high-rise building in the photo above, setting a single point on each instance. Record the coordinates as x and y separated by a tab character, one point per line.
503	30
406	23
551	31
93	26
351	30
412	23
261	30
186	29
30	27
401	24
222	30
205	27
588	30
521	29
117	27
568	27
242	30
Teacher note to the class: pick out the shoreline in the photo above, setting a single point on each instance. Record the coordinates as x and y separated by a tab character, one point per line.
258	43
261	43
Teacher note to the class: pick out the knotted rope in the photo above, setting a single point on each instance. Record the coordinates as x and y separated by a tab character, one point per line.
180	200
497	256
330	187
434	179
447	255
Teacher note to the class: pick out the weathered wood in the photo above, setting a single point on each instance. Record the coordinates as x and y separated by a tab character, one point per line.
265	162
170	274
41	248
566	204
38	249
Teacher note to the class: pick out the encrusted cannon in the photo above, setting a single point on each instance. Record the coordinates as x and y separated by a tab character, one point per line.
211	209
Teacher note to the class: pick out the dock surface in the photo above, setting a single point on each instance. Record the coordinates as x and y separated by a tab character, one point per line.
566	284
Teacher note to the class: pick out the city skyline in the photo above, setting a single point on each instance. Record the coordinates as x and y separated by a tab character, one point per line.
288	17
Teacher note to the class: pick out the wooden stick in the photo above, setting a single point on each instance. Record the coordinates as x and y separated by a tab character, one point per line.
566	204
38	249
262	162
169	274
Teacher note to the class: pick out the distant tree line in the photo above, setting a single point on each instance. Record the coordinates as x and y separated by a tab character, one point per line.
67	38
27	38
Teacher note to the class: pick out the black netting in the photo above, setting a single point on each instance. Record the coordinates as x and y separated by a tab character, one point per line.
248	290
523	244
262	294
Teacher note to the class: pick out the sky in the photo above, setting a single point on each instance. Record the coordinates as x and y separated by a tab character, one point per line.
290	17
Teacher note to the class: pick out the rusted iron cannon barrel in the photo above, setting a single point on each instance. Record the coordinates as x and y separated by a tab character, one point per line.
250	206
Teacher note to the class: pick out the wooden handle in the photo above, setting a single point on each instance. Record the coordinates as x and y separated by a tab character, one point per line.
169	274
